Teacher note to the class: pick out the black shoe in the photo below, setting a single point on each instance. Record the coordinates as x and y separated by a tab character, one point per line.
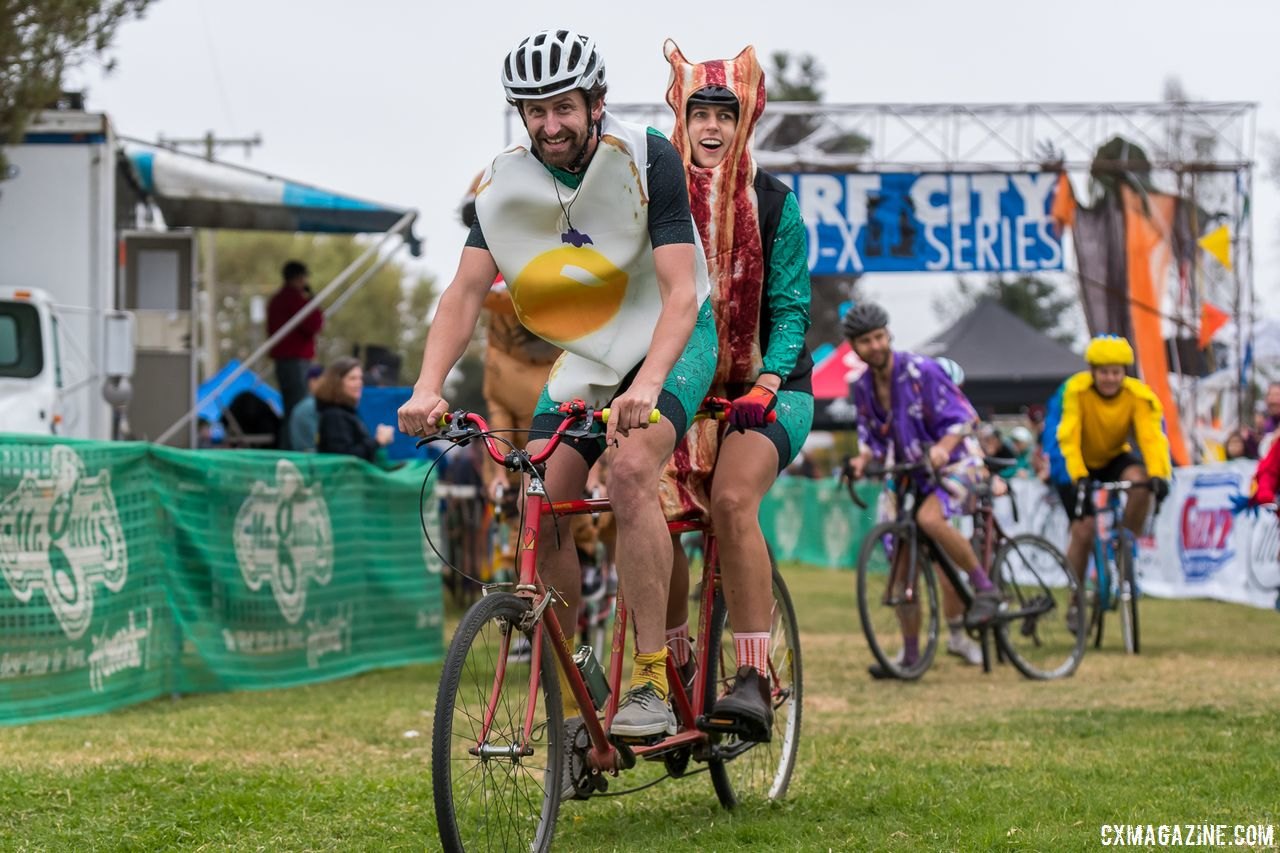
983	610
746	710
1073	619
879	673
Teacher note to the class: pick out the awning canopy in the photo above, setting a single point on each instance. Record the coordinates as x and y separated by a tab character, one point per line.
193	192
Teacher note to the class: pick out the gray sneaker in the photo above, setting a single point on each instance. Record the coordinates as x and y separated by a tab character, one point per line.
965	648
643	714
574	759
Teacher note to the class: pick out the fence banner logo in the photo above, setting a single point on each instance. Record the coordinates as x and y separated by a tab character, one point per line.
283	538
1204	542
899	222
61	534
126	648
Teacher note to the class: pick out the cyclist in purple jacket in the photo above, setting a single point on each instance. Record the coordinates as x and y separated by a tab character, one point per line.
909	408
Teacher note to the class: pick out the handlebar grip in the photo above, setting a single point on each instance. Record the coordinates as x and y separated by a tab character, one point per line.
654	416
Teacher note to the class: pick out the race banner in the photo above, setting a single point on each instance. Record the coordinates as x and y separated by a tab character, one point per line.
934	222
130	571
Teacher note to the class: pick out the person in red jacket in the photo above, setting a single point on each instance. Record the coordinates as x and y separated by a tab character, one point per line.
1267	478
294	352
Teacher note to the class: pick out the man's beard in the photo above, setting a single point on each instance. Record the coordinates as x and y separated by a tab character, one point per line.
879	361
565	157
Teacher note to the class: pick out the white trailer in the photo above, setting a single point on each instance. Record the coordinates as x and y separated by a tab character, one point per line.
57	279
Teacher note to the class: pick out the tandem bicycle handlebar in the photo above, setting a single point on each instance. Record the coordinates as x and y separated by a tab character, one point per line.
462	426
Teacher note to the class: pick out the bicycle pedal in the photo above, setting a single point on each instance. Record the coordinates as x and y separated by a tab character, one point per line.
744	728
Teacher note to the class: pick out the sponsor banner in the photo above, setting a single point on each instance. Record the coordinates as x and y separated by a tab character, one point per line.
130	571
1202	550
902	222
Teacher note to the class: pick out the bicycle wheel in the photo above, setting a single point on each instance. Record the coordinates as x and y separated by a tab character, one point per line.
741	769
1094	598
886	617
1034	579
1128	591
491	791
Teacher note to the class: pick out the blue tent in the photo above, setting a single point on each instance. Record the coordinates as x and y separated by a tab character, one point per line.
211	408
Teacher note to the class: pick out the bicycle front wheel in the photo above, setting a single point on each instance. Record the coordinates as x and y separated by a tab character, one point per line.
1038	590
495	789
740	768
1128	596
889	616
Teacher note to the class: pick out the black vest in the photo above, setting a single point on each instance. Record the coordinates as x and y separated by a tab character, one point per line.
771	193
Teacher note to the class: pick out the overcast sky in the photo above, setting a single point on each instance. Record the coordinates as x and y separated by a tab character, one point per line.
399	100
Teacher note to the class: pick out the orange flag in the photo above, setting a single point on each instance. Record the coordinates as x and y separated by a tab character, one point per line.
1063	210
1212	318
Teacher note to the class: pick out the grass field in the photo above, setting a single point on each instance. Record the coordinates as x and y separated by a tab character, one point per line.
1189	732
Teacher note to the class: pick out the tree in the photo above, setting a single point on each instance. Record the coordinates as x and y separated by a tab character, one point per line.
1036	300
390	310
800	80
40	42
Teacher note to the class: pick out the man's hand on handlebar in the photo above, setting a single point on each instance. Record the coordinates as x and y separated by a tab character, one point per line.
855	467
421	415
631	410
1159	488
939	456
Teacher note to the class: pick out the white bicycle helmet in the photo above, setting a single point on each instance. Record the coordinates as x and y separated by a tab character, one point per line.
954	371
551	62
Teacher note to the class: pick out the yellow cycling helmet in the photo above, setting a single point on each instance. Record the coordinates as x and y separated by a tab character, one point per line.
1108	349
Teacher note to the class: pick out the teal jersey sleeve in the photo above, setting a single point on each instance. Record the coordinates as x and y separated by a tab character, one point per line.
787	290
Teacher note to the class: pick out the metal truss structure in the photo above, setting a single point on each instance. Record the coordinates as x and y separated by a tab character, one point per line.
1177	136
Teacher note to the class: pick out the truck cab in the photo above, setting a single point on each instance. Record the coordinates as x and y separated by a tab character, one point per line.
29	364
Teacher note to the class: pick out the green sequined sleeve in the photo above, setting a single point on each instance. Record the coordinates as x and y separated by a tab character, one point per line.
788	291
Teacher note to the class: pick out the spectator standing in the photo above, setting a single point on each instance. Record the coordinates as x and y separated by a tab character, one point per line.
294	352
1023	443
304	420
341	430
1236	447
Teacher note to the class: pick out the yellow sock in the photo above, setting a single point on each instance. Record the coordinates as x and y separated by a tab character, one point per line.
567	703
650	669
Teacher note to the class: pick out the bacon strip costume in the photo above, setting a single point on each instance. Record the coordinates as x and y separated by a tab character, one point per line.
754	241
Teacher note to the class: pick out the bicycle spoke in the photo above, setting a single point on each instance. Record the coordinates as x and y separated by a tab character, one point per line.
493	795
1039	591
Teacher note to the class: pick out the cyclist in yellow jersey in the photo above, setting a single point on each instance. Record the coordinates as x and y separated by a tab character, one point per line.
1101	408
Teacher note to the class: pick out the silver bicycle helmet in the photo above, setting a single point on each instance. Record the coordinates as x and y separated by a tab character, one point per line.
862	318
551	62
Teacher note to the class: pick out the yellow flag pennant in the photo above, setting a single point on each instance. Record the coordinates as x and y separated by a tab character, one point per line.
1218	244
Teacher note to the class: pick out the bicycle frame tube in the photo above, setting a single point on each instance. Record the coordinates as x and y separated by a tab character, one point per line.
935	553
1104	549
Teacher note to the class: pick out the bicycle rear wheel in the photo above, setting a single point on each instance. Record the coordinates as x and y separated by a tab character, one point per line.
882	604
492	791
739	768
1035	581
1128	591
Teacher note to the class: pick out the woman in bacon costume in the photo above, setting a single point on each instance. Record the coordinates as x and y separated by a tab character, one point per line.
757	257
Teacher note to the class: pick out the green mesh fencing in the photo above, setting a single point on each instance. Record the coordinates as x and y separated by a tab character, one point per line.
132	571
814	521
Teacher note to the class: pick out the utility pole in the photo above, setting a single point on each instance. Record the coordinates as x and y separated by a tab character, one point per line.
208	252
